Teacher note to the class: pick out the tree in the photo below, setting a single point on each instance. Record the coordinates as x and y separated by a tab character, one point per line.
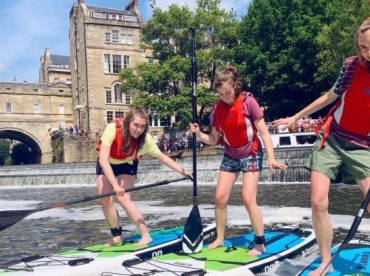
4	151
291	50
165	87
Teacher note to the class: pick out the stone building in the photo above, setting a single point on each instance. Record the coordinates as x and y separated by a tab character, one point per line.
54	69
102	41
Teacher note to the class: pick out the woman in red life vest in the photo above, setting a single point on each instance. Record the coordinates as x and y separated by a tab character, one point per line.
121	145
235	120
344	142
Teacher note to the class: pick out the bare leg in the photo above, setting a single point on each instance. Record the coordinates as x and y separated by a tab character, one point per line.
132	211
224	184
320	185
109	210
364	186
249	192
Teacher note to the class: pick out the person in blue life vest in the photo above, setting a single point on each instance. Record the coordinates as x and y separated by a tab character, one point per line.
235	121
343	142
122	143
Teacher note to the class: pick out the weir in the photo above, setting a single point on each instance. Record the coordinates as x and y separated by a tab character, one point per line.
150	170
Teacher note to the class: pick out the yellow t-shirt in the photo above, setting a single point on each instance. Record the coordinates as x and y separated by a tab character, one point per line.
149	146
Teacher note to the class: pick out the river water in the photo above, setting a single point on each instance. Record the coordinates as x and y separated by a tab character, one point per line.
79	225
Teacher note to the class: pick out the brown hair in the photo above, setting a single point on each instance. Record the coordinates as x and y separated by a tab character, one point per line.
230	75
364	27
135	111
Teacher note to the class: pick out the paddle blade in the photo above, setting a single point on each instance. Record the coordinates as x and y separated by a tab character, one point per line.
10	217
192	240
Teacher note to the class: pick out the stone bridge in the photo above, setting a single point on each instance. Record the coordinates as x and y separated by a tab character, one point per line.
33	132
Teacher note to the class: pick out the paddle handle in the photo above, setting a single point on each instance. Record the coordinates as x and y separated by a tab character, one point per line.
89	198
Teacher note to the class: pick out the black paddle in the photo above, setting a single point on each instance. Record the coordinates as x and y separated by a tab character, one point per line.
352	230
10	217
192	240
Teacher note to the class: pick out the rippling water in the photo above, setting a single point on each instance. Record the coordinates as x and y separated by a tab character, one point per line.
80	225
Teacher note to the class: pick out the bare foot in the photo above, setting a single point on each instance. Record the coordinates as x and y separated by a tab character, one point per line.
257	250
113	241
215	244
145	240
320	270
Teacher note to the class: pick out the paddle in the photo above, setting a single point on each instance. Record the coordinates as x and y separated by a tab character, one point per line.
10	217
192	240
352	230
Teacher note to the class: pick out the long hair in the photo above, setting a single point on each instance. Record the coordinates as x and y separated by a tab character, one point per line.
364	27
126	136
230	75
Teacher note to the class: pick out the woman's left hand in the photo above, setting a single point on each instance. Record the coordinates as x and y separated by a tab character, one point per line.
187	174
272	163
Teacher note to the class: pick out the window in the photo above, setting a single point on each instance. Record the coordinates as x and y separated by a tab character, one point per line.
99	15
8	107
129	39
119	114
107	37
128	98
108	96
150	60
284	141
109	116
36	108
61	90
61	109
117	63
126	61
118	95
115	37
107	63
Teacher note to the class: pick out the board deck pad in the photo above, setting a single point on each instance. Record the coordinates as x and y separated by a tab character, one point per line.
353	259
92	259
230	259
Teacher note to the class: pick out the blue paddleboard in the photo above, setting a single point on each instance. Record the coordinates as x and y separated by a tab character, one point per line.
353	259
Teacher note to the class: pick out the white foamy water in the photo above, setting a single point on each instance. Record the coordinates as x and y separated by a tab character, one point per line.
237	215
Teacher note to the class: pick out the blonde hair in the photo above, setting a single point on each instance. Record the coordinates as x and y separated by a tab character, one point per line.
230	75
364	27
135	111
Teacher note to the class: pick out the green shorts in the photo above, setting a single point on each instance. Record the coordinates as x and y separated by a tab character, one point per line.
337	156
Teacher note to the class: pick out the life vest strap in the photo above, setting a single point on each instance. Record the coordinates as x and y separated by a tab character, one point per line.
327	122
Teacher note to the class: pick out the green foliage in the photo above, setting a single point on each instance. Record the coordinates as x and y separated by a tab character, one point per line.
5	152
165	87
291	51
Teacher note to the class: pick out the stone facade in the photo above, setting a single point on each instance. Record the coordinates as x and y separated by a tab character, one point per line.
102	41
30	111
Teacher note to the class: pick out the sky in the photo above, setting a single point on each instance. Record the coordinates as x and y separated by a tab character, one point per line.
30	26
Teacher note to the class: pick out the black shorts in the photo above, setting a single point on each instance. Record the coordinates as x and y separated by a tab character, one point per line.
125	168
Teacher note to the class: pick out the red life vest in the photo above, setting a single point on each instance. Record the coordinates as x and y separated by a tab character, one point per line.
236	129
116	147
352	112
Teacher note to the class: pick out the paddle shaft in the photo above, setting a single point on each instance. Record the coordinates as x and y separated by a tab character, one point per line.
89	198
352	230
194	112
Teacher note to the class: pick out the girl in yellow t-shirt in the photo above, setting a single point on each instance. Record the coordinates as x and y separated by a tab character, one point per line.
121	145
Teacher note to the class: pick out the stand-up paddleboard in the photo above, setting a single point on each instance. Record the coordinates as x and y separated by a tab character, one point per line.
353	259
95	260
230	259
